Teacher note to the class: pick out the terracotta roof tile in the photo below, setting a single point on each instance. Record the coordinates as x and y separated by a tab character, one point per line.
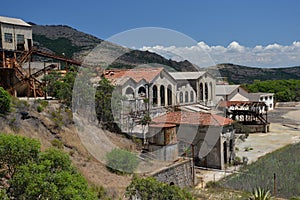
136	74
193	118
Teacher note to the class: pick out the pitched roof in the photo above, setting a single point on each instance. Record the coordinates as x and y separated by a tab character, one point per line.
187	75
225	89
136	74
240	103
15	21
192	118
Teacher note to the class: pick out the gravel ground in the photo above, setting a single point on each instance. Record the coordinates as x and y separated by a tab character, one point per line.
284	130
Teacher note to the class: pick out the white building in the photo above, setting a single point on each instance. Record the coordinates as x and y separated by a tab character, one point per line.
195	87
237	93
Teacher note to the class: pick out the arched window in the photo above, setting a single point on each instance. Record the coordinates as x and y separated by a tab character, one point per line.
162	95
201	92
142	91
186	97
154	92
211	91
169	94
206	92
129	93
192	96
181	97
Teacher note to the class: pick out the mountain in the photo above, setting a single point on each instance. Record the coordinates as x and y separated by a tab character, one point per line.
238	74
65	40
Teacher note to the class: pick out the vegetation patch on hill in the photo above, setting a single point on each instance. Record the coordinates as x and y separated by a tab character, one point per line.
284	163
284	90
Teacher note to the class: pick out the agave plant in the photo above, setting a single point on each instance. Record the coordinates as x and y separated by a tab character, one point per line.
260	194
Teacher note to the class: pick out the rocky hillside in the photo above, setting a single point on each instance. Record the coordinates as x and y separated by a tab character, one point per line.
238	74
65	40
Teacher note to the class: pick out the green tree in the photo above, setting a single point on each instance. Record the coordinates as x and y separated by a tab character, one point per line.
3	195
107	102
149	188
5	100
52	177
122	161
17	150
61	87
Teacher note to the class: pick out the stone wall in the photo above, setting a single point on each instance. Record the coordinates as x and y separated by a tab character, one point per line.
180	174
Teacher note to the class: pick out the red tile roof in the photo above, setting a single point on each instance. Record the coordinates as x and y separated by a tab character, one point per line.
193	118
137	74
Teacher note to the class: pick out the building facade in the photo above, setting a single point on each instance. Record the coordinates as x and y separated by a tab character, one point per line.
15	34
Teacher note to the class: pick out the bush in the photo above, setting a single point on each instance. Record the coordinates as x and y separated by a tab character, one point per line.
122	161
213	184
5	100
57	143
150	188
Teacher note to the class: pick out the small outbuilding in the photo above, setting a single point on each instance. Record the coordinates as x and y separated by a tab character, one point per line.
208	138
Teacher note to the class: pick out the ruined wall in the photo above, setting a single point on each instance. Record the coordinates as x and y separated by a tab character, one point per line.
180	174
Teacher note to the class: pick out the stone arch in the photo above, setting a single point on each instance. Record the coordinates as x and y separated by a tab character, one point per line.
129	92
142	91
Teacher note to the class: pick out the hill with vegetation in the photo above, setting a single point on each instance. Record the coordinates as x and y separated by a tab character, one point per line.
237	74
65	40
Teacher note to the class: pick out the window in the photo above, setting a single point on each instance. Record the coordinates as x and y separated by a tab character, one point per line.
201	92
192	96
169	93
186	98
206	91
162	95
261	98
270	97
20	39
142	91
180	97
8	37
154	94
266	98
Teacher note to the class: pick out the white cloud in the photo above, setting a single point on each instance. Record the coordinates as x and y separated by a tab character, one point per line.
203	55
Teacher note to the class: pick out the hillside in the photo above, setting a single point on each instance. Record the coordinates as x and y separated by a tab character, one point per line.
238	74
61	39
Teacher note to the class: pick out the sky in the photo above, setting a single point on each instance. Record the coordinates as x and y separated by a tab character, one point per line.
259	33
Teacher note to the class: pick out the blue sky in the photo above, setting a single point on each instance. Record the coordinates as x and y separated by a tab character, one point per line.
216	23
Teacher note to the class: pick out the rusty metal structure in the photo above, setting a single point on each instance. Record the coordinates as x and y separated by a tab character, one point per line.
16	49
20	82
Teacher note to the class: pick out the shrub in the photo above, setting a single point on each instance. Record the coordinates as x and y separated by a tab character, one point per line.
122	161
213	184
5	100
150	188
39	108
57	143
